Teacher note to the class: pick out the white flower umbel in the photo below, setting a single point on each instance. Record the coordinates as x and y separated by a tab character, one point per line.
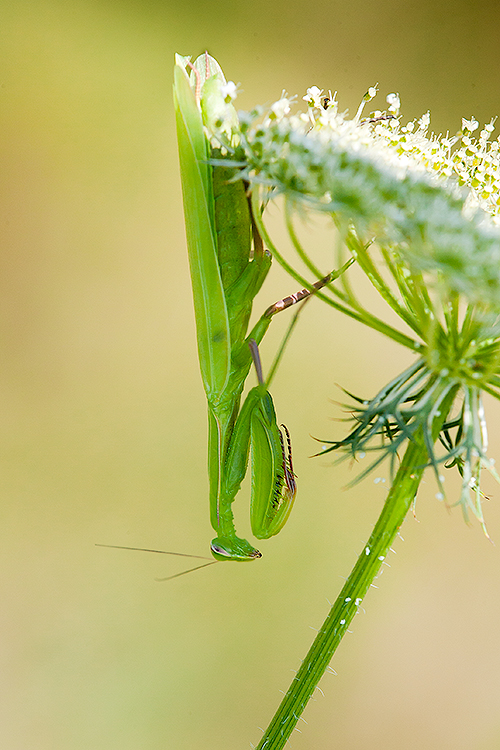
436	198
420	214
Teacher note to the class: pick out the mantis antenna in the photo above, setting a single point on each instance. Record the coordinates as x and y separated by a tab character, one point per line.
165	552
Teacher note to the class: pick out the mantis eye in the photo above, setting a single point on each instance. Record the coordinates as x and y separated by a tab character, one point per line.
218	550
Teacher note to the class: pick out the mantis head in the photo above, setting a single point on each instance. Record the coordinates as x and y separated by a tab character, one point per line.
233	549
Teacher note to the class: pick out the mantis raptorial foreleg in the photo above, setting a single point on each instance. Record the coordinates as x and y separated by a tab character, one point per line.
228	266
256	432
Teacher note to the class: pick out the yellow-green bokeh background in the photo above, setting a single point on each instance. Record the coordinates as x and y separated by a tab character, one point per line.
103	427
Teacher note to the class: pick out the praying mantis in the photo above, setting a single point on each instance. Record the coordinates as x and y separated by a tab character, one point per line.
228	265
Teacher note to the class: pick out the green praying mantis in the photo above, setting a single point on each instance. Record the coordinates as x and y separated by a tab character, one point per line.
228	265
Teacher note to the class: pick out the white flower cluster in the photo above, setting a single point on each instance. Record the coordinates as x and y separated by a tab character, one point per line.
475	162
436	198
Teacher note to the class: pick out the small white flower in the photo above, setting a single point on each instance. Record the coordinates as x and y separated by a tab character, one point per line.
228	91
313	96
470	125
394	103
425	121
281	107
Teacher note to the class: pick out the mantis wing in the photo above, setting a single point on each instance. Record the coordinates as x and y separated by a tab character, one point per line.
212	324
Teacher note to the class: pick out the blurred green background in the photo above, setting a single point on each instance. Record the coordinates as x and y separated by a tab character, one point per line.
103	428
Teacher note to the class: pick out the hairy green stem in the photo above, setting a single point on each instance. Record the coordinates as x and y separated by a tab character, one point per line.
399	500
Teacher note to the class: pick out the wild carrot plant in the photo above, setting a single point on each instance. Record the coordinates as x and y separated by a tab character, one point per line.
419	214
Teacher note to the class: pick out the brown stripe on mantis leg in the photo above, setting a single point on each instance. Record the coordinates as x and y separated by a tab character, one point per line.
287	462
205	66
299	296
303	295
285	487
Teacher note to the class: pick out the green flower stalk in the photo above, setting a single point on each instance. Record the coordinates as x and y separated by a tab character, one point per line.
420	216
